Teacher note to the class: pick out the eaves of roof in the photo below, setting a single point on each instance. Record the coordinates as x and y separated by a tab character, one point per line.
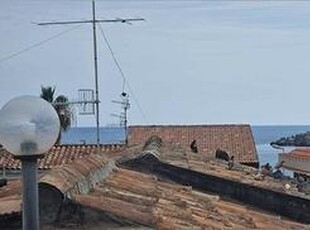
59	155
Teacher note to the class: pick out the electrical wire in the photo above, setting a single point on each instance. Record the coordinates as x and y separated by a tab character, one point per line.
37	44
125	81
114	57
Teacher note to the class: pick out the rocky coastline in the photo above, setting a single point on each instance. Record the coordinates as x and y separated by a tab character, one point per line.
302	139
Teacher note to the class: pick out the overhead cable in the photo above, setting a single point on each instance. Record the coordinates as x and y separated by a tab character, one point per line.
37	44
125	81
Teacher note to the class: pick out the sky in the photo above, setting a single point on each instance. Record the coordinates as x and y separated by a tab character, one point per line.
190	62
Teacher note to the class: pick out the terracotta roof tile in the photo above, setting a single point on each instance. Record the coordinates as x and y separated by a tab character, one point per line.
70	179
297	160
59	155
171	155
79	177
10	198
10	205
237	140
146	200
300	153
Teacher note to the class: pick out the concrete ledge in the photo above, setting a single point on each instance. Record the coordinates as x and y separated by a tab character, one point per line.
286	205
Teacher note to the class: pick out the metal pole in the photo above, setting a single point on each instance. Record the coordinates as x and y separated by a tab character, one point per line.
96	75
126	129
30	194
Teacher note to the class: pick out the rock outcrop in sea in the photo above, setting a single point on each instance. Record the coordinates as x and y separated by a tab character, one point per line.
302	139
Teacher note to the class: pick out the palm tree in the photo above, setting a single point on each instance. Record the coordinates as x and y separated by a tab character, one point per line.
59	103
47	93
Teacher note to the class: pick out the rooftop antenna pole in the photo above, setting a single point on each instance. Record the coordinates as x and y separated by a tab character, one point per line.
126	107
96	77
93	22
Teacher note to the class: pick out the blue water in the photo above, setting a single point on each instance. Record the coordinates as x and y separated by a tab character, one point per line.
263	135
267	134
108	135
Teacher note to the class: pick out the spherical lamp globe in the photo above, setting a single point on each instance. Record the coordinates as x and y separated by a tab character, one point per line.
29	126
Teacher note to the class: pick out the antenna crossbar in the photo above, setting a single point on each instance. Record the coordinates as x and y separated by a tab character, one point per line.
122	20
74	102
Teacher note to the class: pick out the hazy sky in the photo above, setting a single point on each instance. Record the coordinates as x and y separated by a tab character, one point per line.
191	62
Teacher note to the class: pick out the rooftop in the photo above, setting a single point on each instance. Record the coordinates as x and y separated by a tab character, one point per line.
300	153
166	205
127	196
58	155
236	140
298	160
171	155
10	198
146	200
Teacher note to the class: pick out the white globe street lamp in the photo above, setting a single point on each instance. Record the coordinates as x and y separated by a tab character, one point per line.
29	127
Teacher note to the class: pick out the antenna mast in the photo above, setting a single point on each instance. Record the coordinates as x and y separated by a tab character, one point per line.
94	21
96	77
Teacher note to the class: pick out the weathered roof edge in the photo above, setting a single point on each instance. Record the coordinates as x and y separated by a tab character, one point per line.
58	155
80	176
151	147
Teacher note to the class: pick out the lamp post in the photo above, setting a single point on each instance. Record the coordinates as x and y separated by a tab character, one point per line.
29	127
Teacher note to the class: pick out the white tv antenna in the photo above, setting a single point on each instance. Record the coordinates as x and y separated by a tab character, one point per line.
124	114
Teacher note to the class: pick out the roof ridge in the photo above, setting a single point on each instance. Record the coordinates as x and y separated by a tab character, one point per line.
191	125
80	176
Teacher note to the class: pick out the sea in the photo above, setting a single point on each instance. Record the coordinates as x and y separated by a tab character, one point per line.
263	135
